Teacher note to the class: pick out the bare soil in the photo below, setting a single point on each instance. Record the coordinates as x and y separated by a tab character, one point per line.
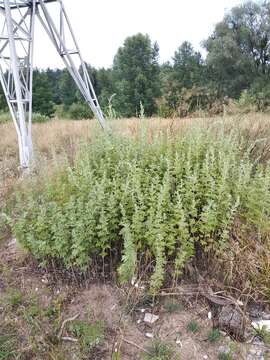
44	308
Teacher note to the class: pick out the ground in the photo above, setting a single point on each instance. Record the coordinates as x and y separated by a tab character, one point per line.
39	311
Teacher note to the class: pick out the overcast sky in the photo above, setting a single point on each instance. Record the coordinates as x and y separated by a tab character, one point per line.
101	26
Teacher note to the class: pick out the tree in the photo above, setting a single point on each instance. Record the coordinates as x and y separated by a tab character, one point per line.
188	66
238	50
3	101
54	77
42	94
185	73
136	75
68	89
105	86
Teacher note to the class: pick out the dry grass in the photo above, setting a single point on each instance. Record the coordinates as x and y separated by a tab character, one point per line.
56	141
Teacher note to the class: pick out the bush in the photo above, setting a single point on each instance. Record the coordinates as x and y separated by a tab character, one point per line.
79	111
133	202
36	118
4	117
39	118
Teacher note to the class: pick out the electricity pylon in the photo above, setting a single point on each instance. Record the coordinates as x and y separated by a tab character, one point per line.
16	61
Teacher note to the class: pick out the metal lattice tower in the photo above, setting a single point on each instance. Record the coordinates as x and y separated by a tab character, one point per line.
16	61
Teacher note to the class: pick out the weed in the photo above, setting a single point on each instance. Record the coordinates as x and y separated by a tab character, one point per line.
262	333
173	307
51	311
89	335
135	203
193	326
224	356
159	350
14	298
6	347
116	355
213	335
32	311
8	343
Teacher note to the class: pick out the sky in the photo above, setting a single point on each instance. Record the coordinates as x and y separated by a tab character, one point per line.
101	26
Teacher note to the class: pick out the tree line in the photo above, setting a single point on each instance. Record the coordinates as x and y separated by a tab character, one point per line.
236	67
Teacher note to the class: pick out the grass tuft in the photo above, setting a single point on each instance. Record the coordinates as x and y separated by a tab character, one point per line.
159	350
14	298
173	306
89	335
193	327
213	335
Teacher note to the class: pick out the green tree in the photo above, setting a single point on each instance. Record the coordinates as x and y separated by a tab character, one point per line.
105	86
68	89
54	77
42	94
136	75
188	66
238	50
186	72
3	101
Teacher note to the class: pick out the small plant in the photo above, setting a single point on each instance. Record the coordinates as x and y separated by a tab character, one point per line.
224	356
172	307
15	298
6	347
111	113
89	335
51	311
193	326
159	350
213	335
40	118
263	334
8	343
4	117
142	112
80	111
31	312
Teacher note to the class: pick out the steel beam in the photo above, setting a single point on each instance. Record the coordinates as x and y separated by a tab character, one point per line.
70	53
16	62
16	69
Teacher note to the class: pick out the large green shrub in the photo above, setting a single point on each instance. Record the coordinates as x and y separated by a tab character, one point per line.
36	118
78	111
4	117
40	118
135	202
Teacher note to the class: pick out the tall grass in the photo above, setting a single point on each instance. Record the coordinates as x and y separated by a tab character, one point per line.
160	204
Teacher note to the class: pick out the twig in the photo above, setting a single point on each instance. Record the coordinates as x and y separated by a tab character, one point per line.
137	346
67	338
203	291
64	324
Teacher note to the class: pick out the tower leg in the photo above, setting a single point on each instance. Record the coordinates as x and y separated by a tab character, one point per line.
16	71
64	40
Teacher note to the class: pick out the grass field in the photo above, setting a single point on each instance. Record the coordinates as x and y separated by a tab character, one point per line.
162	203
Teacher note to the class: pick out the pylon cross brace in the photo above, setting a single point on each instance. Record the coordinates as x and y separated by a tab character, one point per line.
16	62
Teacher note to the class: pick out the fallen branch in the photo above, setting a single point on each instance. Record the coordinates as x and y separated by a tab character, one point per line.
67	338
137	346
64	324
205	291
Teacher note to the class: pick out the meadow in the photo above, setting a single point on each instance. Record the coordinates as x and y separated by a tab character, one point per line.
160	202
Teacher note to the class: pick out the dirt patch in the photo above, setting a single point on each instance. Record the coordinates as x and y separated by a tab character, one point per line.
37	310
